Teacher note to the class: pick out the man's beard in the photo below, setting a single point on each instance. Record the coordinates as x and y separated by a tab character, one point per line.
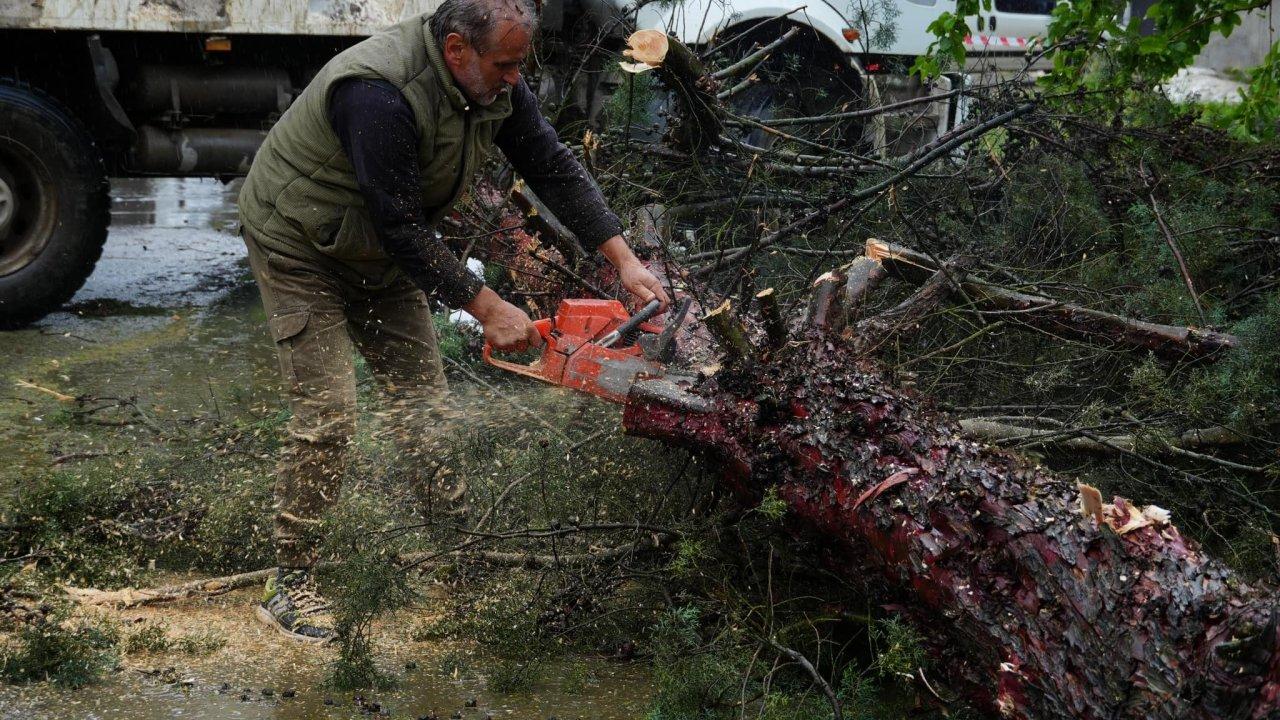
473	87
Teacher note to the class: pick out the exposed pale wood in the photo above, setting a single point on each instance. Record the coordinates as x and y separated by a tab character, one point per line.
699	123
775	329
60	397
648	46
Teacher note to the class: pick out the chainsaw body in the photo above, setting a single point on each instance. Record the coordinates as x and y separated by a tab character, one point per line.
573	356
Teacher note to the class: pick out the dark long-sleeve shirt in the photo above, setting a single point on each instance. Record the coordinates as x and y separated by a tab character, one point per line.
377	130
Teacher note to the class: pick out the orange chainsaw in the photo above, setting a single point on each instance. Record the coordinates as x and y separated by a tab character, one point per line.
595	347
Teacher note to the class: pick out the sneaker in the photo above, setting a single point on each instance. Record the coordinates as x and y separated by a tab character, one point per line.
294	606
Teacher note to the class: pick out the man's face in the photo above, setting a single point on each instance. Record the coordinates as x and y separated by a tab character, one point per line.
483	76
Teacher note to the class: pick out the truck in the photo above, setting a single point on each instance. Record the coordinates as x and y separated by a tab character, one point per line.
95	89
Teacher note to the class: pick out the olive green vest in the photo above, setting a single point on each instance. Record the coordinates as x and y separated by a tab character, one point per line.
301	198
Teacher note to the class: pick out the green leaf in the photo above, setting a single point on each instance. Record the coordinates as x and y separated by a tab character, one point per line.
1152	45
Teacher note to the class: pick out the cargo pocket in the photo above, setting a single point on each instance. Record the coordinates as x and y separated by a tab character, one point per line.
286	325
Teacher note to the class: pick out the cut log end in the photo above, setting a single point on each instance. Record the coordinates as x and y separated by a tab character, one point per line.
878	250
648	48
1119	514
1090	502
827	277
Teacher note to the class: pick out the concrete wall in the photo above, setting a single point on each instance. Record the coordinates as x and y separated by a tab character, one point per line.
1247	46
1244	49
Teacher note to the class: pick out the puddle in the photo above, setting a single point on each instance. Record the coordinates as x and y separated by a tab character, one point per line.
172	243
111	307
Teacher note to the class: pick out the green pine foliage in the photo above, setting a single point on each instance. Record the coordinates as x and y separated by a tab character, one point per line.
367	585
70	651
66	519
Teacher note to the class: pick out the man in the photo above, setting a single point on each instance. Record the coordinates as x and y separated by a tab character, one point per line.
338	213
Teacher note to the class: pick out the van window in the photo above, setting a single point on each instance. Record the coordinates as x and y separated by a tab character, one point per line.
1026	7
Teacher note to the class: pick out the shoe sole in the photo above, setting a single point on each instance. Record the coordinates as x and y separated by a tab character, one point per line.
265	617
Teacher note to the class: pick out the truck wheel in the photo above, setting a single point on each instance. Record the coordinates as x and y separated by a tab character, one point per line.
804	78
54	204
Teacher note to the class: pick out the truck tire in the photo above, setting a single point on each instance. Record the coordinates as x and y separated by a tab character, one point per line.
806	77
54	204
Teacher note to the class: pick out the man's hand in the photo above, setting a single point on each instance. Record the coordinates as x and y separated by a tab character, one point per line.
638	281
635	277
506	327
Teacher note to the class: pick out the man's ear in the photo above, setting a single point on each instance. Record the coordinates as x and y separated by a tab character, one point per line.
454	45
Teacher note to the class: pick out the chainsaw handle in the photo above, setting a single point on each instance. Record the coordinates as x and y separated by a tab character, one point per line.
649	311
544	329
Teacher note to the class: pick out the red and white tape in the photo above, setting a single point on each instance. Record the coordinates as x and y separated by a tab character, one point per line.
995	41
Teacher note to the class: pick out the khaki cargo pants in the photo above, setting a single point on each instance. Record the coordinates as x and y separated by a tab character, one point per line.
317	320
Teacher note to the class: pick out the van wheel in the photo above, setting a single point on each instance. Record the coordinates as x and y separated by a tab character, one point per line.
54	204
804	78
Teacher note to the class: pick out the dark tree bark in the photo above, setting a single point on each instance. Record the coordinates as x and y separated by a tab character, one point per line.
1036	608
1038	599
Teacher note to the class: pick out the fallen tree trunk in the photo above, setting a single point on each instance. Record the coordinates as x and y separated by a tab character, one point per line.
1039	600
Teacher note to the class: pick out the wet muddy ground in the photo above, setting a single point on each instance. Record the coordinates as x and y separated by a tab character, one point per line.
172	243
169	308
259	675
171	322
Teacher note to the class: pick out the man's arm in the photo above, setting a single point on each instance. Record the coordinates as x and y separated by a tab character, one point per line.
378	132
533	148
376	128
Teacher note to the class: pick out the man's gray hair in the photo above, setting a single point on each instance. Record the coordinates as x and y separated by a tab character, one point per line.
475	20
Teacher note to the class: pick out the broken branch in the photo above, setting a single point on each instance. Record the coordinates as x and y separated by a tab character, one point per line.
1067	320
